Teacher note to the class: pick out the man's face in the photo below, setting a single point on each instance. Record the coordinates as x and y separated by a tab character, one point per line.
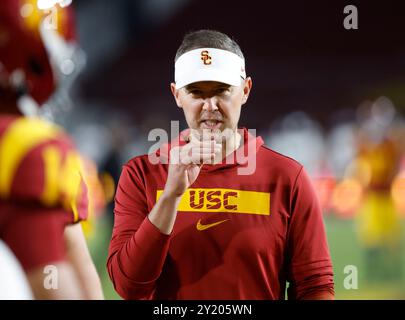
212	105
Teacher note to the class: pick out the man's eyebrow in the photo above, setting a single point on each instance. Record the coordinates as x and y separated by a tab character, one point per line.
222	85
216	87
191	87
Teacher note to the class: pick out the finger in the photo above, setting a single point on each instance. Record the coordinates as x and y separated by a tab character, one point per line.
202	158
206	135
194	135
198	150
193	155
174	157
197	159
205	144
214	149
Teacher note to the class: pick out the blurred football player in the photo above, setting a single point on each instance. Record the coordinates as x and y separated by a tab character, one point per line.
375	167
43	195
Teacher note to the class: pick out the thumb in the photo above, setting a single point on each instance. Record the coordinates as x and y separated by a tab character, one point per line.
193	171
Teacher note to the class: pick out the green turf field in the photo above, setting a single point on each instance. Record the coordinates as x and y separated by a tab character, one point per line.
344	247
346	250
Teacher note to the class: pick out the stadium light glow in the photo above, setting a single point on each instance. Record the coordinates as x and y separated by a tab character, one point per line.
48	4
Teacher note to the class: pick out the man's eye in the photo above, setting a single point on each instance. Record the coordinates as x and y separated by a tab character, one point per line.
222	90
196	92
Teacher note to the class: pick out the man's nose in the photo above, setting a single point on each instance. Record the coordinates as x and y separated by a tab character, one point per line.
210	104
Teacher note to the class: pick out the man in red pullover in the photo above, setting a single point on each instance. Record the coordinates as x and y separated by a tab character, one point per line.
199	219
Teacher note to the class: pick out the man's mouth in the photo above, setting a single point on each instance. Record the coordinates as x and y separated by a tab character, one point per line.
210	124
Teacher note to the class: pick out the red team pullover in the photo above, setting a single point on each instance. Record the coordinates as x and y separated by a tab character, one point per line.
235	236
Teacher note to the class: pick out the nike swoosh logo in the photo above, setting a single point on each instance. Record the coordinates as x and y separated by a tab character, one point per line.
201	227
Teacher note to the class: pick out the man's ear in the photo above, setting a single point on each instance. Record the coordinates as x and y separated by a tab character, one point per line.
175	93
247	86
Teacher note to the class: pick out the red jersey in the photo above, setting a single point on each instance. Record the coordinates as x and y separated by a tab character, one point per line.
235	236
41	189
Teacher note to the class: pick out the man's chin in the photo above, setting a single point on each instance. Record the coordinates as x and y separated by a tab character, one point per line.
223	132
214	126
209	131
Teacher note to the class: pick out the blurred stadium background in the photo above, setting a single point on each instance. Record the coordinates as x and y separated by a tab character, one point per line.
333	99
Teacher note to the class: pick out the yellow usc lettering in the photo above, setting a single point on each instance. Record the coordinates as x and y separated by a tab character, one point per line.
212	200
224	200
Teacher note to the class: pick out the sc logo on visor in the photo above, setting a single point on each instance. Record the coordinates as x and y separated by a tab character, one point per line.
205	57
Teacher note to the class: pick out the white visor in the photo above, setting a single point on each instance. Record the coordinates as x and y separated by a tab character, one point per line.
209	64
